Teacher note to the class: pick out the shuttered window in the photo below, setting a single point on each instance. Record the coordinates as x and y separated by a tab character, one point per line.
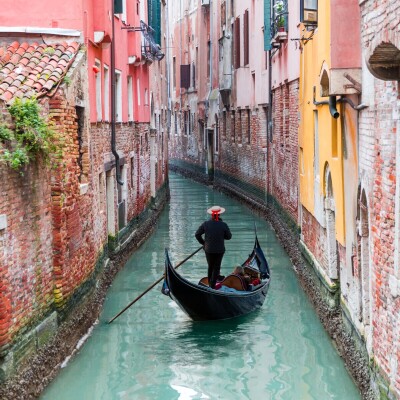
246	38
237	43
154	18
185	76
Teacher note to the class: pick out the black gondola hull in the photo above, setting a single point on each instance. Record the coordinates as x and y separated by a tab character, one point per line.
203	303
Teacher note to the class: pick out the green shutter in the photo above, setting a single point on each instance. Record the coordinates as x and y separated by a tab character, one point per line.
118	9
267	25
154	18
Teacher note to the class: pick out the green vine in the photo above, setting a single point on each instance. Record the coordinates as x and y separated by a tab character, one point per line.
32	135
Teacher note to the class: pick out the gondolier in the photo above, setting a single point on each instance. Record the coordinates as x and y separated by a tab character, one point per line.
232	299
215	233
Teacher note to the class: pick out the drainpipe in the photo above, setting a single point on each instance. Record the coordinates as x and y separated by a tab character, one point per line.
332	107
332	104
112	66
211	61
167	55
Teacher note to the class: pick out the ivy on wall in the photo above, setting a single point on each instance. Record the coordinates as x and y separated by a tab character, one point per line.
29	138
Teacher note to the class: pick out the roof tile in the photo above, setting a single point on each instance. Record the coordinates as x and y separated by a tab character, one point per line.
26	69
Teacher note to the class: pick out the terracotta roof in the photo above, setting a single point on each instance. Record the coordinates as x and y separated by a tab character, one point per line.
28	70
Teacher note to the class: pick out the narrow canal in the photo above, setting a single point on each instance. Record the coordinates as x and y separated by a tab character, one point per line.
154	352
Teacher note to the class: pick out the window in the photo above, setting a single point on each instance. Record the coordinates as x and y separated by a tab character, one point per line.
130	99
233	126
118	96
193	76
316	146
106	93
185	122
146	97
185	76
246	38
240	133
102	194
138	91
309	12
236	43
248	126
120	9
197	63
208	58
99	114
154	18
80	114
174	72
216	135
224	125
176	123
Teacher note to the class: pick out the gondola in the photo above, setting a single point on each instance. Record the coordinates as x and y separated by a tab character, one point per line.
232	299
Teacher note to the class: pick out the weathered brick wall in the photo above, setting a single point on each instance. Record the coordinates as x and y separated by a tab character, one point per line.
242	154
315	238
134	150
379	126
26	275
283	174
74	247
186	147
56	217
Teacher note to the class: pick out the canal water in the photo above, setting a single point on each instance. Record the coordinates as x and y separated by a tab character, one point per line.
155	352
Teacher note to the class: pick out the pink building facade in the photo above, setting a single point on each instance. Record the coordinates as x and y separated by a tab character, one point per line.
220	93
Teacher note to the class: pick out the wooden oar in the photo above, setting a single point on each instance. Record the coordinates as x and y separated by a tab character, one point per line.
151	287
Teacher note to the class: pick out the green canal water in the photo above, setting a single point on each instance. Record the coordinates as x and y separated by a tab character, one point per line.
155	352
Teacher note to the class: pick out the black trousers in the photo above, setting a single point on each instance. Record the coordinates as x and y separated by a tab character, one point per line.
214	267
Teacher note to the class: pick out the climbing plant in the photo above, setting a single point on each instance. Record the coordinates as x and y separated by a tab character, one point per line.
30	137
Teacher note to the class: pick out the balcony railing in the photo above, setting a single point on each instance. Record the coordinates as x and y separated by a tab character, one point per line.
151	51
279	19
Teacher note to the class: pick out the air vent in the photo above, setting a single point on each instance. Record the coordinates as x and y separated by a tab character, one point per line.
310	17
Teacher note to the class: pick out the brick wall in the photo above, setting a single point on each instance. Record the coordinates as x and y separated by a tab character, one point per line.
26	275
283	153
379	126
56	216
242	154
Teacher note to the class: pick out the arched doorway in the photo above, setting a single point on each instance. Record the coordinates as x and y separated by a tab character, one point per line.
332	251
363	236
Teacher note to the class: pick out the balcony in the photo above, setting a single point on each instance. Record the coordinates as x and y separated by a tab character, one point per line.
279	23
151	51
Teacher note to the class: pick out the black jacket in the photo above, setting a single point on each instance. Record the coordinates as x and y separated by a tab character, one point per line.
215	233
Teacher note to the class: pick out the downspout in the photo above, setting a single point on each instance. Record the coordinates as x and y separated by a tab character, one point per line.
332	104
112	66
270	125
167	68
211	46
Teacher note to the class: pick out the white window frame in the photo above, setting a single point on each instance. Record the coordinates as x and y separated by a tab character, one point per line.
138	91
118	96
130	99
106	80
99	111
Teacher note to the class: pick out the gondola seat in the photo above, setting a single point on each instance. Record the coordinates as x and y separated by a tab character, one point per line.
235	282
